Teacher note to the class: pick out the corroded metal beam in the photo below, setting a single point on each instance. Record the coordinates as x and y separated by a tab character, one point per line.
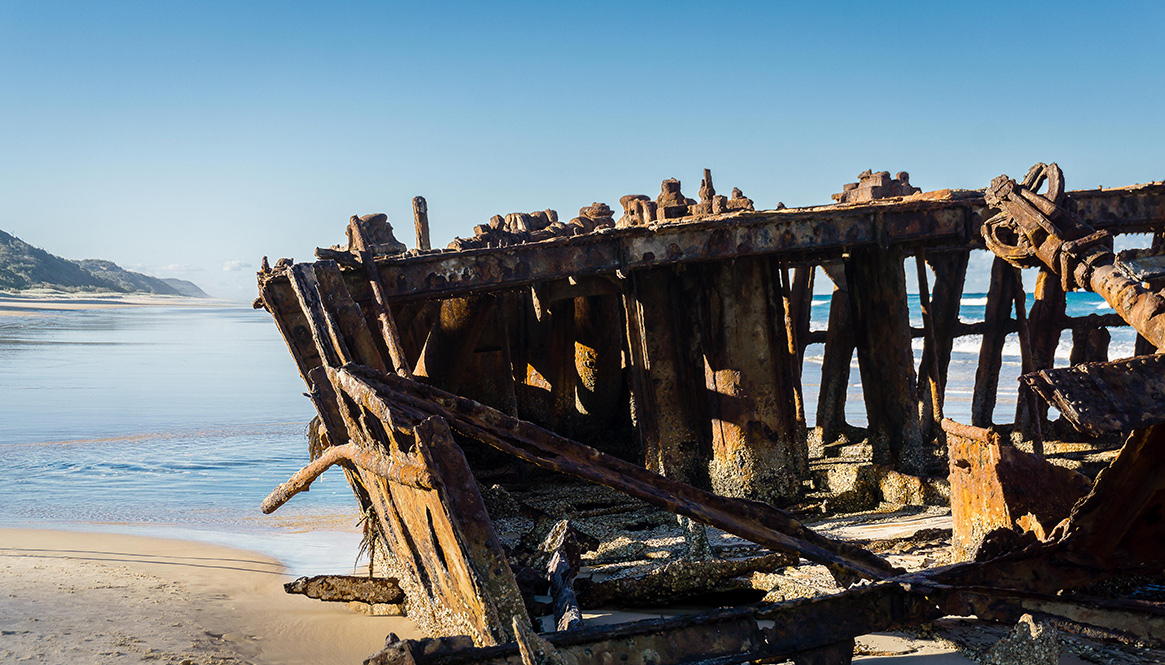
936	219
1100	398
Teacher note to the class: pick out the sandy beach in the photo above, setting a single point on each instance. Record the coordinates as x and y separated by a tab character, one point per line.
75	597
32	300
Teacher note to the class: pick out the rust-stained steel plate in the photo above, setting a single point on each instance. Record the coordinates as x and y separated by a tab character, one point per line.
997	486
1100	398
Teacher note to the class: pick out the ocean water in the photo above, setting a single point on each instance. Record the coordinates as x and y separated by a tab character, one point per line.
177	421
964	358
166	421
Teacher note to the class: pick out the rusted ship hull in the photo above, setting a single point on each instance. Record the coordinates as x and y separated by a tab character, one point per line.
661	356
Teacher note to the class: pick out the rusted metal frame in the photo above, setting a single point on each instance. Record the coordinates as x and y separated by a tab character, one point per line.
563	374
817	232
960	329
801	629
1000	296
675	581
835	363
1035	228
1026	413
1089	345
409	316
1044	328
664	383
1103	398
757	522
600	395
280	300
929	386
1130	622
731	633
421	222
950	270
798	299
443	536
1142	347
370	460
453	339
488	374
347	317
1115	530
756	451
388	329
877	285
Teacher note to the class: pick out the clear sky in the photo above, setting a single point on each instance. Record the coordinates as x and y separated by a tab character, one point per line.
190	139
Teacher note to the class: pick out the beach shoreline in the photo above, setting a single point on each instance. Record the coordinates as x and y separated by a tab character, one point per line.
52	299
74	596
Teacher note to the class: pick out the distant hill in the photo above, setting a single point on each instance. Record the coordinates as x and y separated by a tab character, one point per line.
23	266
185	287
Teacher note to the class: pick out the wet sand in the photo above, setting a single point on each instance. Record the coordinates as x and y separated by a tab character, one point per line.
25	302
74	597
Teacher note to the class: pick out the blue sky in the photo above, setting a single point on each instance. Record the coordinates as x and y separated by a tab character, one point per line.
190	139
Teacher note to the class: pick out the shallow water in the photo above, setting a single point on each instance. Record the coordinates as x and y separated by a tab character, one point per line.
170	421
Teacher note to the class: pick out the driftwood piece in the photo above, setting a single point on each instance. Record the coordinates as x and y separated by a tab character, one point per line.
754	521
347	588
1101	398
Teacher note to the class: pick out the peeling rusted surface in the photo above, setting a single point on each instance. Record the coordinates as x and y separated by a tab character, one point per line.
995	486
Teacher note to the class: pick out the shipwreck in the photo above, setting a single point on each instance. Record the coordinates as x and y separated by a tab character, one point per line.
516	411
